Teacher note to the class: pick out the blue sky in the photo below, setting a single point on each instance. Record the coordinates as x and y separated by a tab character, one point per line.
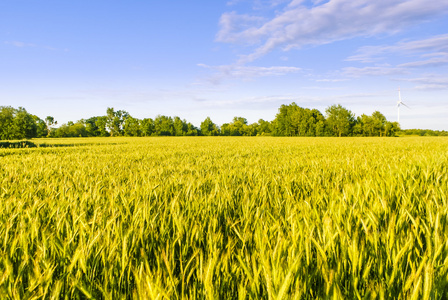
193	59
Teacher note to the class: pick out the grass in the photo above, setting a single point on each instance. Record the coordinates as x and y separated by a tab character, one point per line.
222	217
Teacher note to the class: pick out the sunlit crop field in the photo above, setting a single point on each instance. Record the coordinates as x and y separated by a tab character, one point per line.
225	218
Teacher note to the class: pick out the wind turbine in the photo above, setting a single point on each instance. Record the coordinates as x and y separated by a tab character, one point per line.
400	103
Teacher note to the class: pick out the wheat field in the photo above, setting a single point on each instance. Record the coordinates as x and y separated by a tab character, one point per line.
225	218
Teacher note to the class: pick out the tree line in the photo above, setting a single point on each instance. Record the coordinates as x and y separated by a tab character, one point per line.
291	120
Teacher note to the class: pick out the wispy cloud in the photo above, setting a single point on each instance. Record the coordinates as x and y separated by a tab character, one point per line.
372	71
259	4
331	80
276	99
302	100
239	25
246	72
424	53
439	60
429	82
299	25
20	44
437	45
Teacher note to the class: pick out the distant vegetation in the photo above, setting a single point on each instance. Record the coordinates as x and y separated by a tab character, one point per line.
21	144
291	120
424	132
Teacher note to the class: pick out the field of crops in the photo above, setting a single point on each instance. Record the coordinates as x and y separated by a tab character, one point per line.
225	218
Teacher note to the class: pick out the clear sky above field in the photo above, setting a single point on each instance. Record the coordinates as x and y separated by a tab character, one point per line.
73	59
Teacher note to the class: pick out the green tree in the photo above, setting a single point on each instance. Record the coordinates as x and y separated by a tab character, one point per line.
209	128
147	127
115	121
180	127
391	128
192	130
7	114
374	125
340	120
16	124
225	129
238	127
318	123
91	126
78	129
101	124
163	126
264	127
131	127
379	123
251	129
71	129
50	121
293	120
41	127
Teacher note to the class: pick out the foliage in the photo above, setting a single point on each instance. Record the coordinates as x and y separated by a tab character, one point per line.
425	132
50	121
71	129
239	127
16	124
228	218
340	120
375	125
115	121
209	128
163	126
291	120
22	144
131	127
147	127
41	127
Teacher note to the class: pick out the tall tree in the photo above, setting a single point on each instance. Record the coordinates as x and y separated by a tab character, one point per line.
238	126
374	125
209	128
264	127
180	126
131	127
92	127
163	126
192	130
50	121
379	123
16	124
293	120
147	127
101	123
7	114
340	120
41	127
115	121
391	128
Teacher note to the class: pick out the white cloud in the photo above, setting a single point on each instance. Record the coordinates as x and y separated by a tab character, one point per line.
298	25
276	99
259	4
437	45
332	80
372	71
246	72
19	44
233	22
432	62
429	82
